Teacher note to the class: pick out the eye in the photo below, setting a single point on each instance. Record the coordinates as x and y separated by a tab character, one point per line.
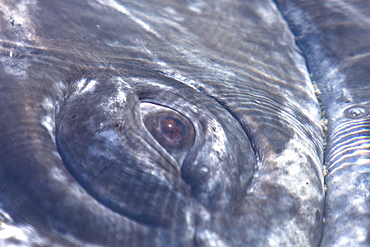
172	128
169	128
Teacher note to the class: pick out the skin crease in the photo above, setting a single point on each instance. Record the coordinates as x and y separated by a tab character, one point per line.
338	48
85	160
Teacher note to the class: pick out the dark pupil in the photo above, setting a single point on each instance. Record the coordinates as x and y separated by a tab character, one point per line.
172	128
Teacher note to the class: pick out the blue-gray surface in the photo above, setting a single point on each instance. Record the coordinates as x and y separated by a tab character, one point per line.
184	123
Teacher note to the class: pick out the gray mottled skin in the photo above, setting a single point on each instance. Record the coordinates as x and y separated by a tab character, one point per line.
78	166
335	37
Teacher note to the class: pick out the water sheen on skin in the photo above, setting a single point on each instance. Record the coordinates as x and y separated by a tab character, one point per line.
81	165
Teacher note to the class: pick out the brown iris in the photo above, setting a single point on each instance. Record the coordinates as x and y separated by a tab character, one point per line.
172	128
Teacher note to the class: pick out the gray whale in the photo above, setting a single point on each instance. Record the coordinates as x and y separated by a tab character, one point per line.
184	123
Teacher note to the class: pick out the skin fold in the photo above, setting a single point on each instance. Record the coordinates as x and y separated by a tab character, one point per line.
183	123
338	60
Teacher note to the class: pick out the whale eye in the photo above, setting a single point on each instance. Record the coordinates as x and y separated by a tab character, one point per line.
169	128
172	128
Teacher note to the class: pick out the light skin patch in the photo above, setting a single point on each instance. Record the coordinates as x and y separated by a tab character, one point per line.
49	124
59	176
13	67
212	239
220	140
89	87
48	119
174	14
84	86
8	231
197	6
296	153
120	97
268	14
359	237
119	7
22	236
19	14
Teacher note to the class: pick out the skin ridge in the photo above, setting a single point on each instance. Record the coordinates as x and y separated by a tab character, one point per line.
73	77
327	32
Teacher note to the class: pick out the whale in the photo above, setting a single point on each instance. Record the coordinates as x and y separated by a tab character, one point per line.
184	123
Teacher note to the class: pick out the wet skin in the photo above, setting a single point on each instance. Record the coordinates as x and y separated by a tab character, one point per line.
184	123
